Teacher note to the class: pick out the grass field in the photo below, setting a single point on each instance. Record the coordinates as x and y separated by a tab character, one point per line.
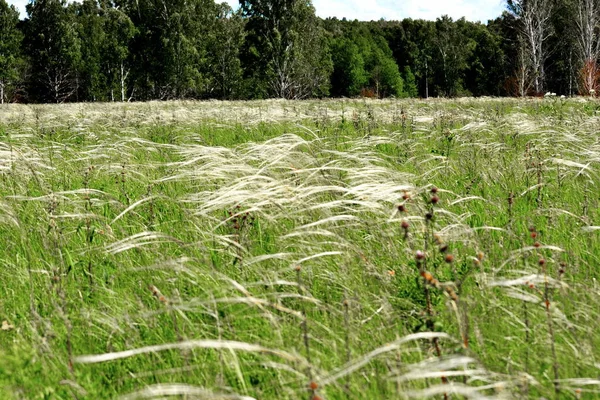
300	250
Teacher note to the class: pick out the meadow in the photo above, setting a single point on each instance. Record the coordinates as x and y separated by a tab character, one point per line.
335	249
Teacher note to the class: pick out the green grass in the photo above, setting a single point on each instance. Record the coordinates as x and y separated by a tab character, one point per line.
261	245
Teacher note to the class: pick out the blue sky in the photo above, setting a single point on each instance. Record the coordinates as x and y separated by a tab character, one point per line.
474	10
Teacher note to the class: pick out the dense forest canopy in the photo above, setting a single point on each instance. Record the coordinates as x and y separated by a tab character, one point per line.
119	50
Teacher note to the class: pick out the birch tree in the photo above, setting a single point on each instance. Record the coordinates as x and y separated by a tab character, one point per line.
587	22
119	31
533	19
286	51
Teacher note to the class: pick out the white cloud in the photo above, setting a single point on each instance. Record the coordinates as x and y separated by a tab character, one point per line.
365	10
473	10
20	4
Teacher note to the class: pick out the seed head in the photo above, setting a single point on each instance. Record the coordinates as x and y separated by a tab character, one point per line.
419	255
401	208
449	258
405	225
313	385
533	235
427	276
429	216
405	196
444	248
541	262
480	256
537	245
434	190
434	200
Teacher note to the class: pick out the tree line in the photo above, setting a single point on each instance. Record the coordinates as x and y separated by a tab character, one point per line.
120	50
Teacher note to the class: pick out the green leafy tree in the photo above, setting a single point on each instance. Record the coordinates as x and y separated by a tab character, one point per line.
10	42
362	60
53	47
349	75
453	50
486	66
286	53
224	64
118	33
90	28
385	75
410	83
416	51
169	49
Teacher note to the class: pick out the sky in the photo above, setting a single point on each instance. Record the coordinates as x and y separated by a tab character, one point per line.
365	10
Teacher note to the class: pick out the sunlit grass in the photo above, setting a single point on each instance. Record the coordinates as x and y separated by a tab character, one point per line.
319	249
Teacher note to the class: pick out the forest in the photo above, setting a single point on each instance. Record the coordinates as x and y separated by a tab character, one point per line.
125	50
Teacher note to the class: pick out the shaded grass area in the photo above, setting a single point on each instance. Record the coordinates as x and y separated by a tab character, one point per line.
335	249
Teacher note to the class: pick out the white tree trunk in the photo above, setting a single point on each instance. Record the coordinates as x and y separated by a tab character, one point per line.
587	21
123	77
535	28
